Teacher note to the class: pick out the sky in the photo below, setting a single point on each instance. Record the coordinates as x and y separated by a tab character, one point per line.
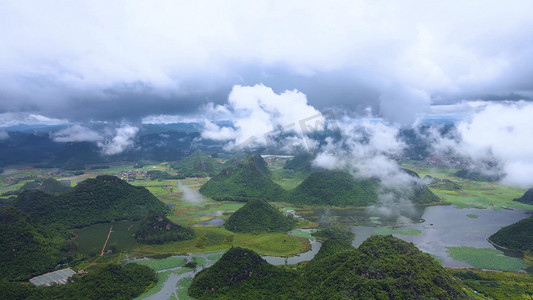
276	66
129	61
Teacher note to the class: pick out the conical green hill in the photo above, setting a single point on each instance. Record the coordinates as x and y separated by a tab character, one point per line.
258	216
251	179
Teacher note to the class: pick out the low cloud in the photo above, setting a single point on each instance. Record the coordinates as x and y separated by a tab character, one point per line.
366	148
260	117
3	135
76	133
123	139
190	195
498	132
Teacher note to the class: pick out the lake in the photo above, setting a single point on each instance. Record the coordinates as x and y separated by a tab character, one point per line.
440	226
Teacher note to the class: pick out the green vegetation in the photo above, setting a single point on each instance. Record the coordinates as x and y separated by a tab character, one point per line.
258	216
486	258
162	264
476	176
300	162
198	164
382	267
472	216
518	236
157	229
339	188
251	179
527	198
401	231
89	240
48	185
444	184
241	274
473	194
214	239
25	249
102	199
108	281
497	285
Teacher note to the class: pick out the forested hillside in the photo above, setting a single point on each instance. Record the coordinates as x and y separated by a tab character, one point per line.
327	187
527	198
25	249
518	236
251	179
157	229
383	267
101	199
258	216
340	188
108	281
198	164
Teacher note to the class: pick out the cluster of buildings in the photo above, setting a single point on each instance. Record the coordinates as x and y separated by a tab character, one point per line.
130	175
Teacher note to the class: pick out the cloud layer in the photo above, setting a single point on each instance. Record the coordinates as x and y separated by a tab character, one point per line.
259	116
110	140
497	131
127	60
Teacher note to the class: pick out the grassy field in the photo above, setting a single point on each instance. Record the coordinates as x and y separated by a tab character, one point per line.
183	286
214	239
91	239
472	194
497	285
287	179
486	258
401	231
162	264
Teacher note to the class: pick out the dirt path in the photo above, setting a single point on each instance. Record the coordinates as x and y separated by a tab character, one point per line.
105	244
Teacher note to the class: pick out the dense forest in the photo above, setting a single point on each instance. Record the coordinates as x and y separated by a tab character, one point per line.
518	236
102	199
383	267
258	216
198	164
109	281
527	198
251	179
340	188
157	229
327	187
476	176
26	249
300	162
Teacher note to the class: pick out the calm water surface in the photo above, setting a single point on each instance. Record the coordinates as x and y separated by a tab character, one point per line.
441	226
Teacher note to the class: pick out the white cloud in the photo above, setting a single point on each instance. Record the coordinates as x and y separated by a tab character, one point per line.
259	115
3	135
17	118
504	131
76	133
123	139
54	53
498	131
169	119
